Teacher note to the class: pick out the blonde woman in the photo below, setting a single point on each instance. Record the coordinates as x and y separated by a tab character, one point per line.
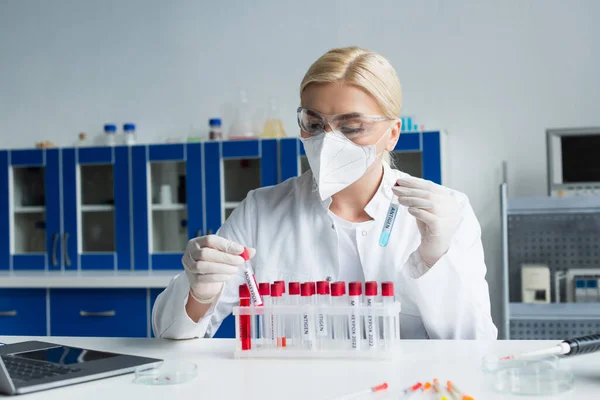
327	223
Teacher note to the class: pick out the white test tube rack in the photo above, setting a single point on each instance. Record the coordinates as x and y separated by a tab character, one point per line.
385	317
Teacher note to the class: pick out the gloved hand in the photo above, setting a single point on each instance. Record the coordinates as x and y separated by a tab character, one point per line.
436	211
209	261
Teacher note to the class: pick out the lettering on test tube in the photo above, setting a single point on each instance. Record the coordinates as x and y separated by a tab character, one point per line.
354	295
323	302
389	323
306	292
245	322
276	319
265	324
388	224
370	296
250	281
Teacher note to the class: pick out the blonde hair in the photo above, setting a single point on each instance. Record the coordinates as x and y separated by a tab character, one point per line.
364	69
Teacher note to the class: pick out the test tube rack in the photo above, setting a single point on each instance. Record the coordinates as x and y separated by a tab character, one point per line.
317	331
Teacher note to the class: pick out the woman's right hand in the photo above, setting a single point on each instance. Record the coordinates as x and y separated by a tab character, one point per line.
210	261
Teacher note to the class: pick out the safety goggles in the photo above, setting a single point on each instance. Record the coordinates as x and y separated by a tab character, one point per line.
353	125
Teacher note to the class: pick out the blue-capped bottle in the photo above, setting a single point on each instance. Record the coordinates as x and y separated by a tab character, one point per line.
110	131
129	133
215	132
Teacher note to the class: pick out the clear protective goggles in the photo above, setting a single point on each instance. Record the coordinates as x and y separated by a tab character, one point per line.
352	125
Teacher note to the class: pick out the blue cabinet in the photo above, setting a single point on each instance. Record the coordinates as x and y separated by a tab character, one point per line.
98	312
23	312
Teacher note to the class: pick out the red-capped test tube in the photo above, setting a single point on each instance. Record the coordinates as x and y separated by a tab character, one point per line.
370	321
278	325
293	322
323	302
389	323
307	323
264	320
245	322
354	325
250	281
340	324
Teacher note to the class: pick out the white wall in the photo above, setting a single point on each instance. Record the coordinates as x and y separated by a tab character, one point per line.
495	74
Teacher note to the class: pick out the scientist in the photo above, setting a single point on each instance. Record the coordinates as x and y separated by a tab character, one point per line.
327	223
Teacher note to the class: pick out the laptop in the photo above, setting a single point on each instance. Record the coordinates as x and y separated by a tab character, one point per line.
33	366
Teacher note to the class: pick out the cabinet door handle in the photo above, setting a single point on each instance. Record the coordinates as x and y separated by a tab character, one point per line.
11	313
54	244
65	241
110	313
198	233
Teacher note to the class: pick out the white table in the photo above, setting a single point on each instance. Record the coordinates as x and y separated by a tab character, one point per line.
223	377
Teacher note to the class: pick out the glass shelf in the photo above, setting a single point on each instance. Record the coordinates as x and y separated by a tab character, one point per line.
29	233
28	187
98	234
409	162
169	231
168	183
240	177
169	207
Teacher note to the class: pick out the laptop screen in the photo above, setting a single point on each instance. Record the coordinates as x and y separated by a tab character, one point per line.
65	355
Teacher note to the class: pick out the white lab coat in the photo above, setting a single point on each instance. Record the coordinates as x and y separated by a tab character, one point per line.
296	240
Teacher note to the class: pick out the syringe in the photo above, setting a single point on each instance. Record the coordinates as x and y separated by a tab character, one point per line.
570	347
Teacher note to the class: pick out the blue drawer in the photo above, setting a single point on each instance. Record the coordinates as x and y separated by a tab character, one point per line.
23	312
98	312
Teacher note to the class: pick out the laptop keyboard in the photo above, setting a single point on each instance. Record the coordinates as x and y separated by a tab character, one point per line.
27	370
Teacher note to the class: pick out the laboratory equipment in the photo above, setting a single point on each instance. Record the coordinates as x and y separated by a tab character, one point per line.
242	125
323	300
277	324
273	125
170	372
244	331
457	394
296	323
389	221
307	328
389	327
573	162
215	132
370	322
438	389
110	130
535	282
413	388
265	322
250	280
354	320
129	133
569	347
166	195
362	393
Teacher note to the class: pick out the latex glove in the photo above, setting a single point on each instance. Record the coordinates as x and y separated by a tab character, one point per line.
209	261
436	211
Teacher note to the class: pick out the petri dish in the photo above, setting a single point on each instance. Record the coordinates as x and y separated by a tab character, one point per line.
166	373
540	376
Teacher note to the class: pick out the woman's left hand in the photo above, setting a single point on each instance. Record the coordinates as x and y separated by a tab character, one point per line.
436	211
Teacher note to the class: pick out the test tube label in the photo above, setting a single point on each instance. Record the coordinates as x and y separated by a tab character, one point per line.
371	334
322	325
354	338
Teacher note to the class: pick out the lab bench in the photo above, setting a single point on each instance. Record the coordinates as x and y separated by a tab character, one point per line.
70	215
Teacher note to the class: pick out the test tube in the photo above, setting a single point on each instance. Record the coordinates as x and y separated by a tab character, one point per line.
277	319
340	326
293	323
354	325
323	301
282	283
370	295
306	293
264	320
245	323
250	280
387	296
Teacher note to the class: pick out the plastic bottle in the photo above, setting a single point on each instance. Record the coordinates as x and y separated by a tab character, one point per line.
273	126
215	132
110	131
129	133
242	126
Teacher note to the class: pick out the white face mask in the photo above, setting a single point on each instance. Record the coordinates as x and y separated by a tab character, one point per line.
337	162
